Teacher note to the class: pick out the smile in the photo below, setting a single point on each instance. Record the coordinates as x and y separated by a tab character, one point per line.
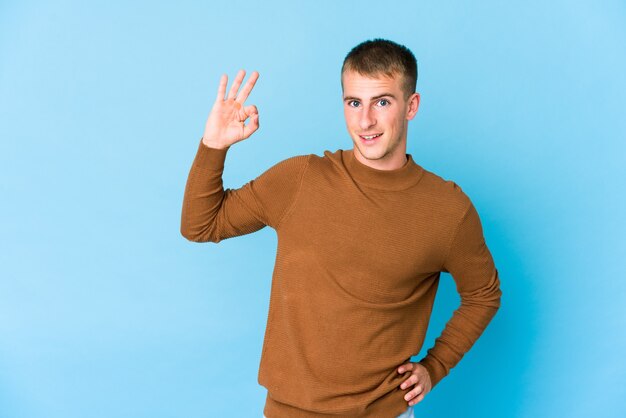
369	137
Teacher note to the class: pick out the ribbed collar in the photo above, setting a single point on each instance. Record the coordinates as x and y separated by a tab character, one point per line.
399	179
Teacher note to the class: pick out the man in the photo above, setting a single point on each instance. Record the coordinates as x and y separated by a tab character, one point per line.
363	235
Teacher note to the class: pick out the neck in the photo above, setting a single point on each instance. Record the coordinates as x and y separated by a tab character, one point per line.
390	162
385	179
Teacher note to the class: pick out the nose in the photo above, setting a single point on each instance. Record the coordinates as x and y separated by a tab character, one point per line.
367	119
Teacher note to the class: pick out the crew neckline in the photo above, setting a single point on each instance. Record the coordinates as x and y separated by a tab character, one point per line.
397	179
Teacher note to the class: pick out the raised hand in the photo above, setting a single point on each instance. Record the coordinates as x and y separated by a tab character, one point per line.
226	122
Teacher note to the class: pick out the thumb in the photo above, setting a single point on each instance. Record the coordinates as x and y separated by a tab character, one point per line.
252	125
251	110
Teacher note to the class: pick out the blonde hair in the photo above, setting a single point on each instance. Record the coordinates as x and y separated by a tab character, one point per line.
380	56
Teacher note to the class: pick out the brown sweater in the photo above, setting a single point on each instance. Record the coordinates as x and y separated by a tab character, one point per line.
360	253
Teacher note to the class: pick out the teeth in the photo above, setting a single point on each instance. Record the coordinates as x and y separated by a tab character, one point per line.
371	136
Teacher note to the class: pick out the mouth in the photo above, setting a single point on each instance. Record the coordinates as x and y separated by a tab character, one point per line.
368	139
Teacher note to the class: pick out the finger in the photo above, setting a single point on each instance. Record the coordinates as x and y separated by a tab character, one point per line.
236	83
243	94
413	393
250	110
252	125
245	112
408	382
221	90
417	399
404	367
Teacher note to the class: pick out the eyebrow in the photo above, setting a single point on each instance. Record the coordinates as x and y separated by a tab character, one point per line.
372	98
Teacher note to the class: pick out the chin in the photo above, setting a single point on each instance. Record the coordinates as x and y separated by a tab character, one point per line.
371	154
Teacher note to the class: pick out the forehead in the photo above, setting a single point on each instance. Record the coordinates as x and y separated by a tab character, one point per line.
355	84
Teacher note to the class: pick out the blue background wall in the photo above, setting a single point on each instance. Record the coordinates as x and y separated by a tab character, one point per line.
107	311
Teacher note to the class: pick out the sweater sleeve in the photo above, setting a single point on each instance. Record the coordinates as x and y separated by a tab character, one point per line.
472	267
212	213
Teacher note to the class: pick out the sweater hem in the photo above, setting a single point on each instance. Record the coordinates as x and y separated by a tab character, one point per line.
389	405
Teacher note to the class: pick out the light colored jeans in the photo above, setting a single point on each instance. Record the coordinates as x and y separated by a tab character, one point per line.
406	414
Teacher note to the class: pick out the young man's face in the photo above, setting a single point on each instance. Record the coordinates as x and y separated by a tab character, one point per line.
377	107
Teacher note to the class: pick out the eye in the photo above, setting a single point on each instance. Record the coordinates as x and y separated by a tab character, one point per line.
350	103
383	102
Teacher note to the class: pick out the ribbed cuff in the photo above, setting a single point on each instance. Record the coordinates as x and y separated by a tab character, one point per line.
211	158
435	370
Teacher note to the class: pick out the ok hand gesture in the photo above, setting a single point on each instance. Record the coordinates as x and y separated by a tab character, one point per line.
226	122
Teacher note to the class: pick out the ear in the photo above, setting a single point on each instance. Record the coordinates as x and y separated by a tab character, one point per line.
414	103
